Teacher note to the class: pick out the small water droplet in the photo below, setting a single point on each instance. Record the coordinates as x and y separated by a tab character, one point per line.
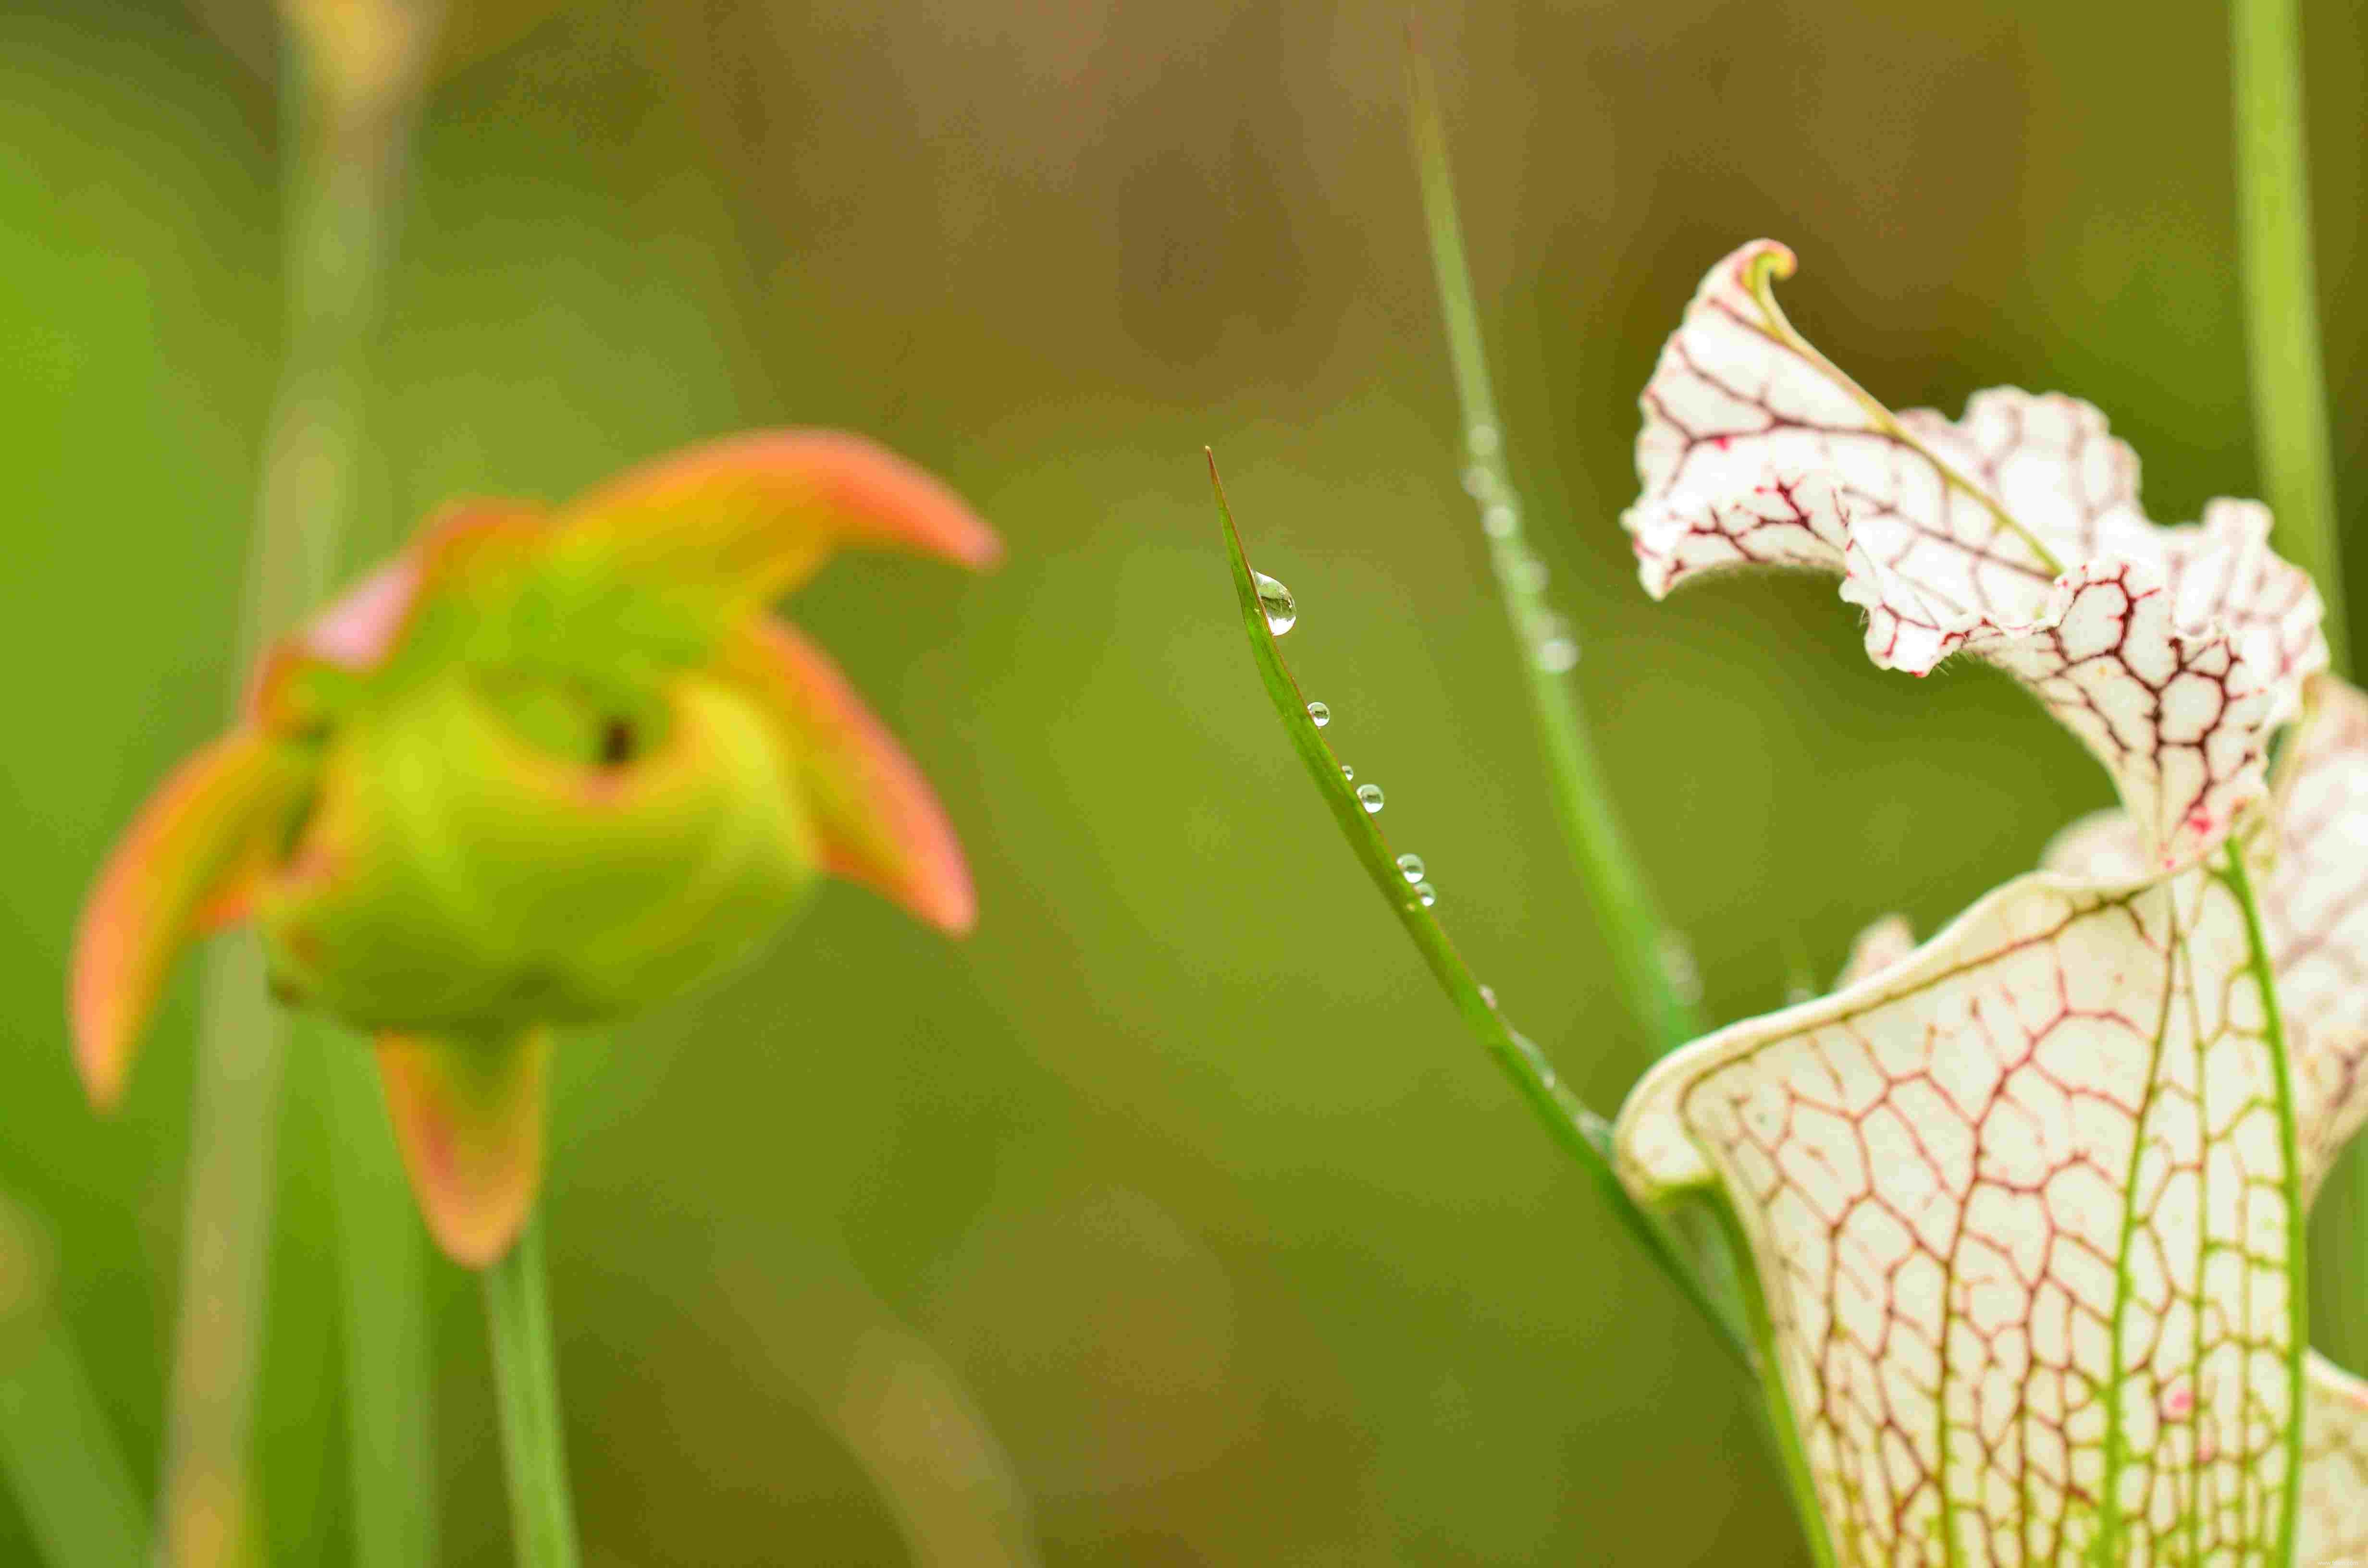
1483	440
1677	963
1281	611
1530	574
1499	521
1410	867
1556	654
1488	994
1318	714
1346	771
1475	480
1427	894
1369	797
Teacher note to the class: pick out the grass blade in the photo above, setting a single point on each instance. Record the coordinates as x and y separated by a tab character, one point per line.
382	1273
525	1391
2289	434
1624	907
1577	1130
2274	236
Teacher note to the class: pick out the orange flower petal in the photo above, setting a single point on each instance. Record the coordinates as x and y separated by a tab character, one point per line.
469	1118
753	516
182	867
877	819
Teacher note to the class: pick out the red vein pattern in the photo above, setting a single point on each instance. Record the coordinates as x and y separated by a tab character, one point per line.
2023	1199
2311	882
2172	653
2020	1206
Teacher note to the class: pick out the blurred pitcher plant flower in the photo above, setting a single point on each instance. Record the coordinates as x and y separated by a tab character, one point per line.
2023	1205
545	767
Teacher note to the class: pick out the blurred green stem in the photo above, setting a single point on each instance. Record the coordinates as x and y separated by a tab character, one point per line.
349	91
1643	952
382	1272
2273	236
526	1386
2290	436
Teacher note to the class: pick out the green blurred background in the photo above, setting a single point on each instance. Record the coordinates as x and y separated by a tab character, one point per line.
1178	1177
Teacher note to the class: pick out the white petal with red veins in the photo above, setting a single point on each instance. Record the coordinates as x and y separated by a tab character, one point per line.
2171	652
2023	1208
2310	877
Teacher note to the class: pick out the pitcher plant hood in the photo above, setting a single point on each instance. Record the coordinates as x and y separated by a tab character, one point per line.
2025	1202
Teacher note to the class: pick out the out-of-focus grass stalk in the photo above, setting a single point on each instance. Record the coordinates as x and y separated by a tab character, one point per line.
2290	437
61	1458
1646	955
383	1267
1643	952
2274	236
525	1391
352	84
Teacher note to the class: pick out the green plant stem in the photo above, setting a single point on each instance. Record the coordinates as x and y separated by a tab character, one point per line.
1647	957
1641	945
349	117
525	1387
1566	1118
234	1125
1776	1403
2290	437
2233	877
382	1275
2274	236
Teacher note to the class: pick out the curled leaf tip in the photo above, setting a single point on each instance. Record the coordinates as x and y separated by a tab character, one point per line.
181	867
1763	262
877	820
469	1117
755	515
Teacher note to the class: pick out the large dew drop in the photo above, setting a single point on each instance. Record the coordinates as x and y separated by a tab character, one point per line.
1281	611
1410	867
1317	714
1369	797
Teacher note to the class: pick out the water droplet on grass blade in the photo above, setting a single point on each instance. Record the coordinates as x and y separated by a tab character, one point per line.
1498	521
1281	610
1427	894
1556	655
1369	797
1318	715
1410	867
1346	771
1488	994
1483	440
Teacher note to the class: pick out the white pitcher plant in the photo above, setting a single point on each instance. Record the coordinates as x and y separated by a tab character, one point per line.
2022	1206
